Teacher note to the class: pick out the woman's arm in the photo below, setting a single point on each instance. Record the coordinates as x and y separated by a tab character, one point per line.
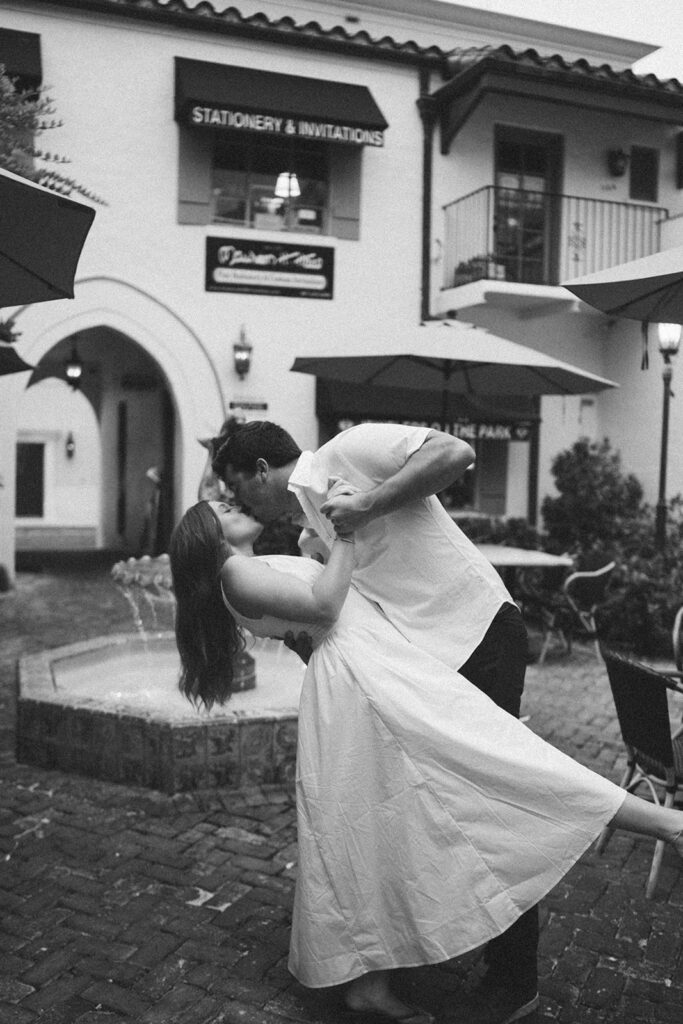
255	590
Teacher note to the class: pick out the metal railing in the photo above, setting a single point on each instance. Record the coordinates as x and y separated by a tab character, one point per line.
542	237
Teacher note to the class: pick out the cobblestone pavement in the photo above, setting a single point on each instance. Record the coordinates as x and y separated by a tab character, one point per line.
123	905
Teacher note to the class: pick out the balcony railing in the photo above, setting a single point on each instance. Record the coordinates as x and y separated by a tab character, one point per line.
541	237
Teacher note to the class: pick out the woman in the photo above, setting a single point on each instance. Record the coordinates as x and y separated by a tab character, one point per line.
415	792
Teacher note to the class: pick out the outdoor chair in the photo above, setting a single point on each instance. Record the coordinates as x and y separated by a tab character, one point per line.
655	756
541	600
585	592
677	639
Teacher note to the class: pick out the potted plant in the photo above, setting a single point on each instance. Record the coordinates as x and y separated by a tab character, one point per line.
477	267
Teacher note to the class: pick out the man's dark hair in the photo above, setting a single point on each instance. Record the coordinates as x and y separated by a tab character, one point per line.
258	439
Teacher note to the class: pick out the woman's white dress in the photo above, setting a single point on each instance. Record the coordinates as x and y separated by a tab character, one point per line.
428	818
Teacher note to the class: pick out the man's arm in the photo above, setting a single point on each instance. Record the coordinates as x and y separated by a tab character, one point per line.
439	462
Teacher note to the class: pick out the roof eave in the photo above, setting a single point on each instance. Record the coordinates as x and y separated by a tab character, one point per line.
284	31
459	96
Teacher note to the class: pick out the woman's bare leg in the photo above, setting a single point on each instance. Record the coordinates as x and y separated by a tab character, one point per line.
648	819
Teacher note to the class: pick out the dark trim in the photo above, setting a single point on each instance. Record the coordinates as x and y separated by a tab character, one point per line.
428	116
534	460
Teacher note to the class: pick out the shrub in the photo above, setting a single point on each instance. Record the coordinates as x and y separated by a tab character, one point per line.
647	589
599	515
596	503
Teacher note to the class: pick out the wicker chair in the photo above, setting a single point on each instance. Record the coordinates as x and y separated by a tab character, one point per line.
585	592
677	639
541	599
655	757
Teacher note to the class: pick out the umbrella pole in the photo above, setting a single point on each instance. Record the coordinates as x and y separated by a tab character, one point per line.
445	419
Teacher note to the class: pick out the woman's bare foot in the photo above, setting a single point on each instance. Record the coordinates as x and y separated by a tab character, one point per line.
371	994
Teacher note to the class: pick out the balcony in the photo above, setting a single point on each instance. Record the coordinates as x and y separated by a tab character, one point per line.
513	247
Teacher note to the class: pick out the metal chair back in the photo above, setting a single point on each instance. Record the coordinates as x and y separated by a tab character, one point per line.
641	702
655	757
585	591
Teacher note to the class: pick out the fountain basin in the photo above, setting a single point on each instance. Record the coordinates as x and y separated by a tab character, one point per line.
110	708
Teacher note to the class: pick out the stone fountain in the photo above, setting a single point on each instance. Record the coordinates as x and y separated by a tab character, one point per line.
111	708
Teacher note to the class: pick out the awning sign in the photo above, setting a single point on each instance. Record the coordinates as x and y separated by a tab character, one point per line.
467	430
233	98
291	127
492	431
269	268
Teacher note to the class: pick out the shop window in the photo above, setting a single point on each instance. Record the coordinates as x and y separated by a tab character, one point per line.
644	170
20	57
30	489
239	181
277	187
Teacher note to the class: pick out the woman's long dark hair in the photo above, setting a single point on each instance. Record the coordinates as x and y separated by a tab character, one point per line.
207	636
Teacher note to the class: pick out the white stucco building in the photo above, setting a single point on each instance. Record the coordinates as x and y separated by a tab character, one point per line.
447	162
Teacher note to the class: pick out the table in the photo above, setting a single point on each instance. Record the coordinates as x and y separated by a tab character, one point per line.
508	560
503	557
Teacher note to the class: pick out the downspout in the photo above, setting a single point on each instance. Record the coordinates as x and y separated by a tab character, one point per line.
427	109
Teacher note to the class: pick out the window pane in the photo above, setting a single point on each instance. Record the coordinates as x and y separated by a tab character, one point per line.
30	477
644	174
244	179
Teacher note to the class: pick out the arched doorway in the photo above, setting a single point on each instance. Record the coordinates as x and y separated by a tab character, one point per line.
123	394
159	343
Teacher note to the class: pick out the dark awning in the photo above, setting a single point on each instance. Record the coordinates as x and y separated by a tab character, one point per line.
337	400
20	54
226	98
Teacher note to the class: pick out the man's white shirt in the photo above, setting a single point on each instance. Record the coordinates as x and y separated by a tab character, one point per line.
429	579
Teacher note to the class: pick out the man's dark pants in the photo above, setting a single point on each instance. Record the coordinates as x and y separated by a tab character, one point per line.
497	667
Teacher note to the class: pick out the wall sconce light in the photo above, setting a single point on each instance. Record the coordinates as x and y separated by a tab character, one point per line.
242	355
73	369
617	162
70	446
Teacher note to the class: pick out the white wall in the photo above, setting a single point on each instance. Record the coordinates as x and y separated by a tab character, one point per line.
48	413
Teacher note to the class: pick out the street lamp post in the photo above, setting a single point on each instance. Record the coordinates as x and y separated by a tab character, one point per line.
669	340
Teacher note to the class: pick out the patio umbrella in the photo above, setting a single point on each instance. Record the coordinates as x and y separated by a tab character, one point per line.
41	238
11	361
454	358
649	289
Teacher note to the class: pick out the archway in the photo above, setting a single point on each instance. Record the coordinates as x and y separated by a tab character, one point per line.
143	365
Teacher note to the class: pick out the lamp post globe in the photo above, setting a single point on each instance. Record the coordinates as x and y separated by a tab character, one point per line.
669	341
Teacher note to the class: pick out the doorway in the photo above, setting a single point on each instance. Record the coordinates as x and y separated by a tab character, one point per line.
528	169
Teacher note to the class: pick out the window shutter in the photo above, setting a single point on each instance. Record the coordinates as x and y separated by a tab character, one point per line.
345	178
195	166
644	174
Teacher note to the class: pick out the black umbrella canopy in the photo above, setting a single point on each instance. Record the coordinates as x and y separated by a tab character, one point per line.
42	234
649	289
11	361
453	358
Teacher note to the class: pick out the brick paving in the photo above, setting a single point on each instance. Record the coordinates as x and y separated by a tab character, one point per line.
123	905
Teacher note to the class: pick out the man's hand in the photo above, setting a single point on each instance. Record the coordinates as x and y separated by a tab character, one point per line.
301	644
346	506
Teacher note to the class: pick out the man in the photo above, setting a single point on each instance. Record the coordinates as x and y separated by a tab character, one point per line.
381	481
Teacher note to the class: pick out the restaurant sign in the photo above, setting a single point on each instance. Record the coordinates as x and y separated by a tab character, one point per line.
491	431
265	123
269	268
465	429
